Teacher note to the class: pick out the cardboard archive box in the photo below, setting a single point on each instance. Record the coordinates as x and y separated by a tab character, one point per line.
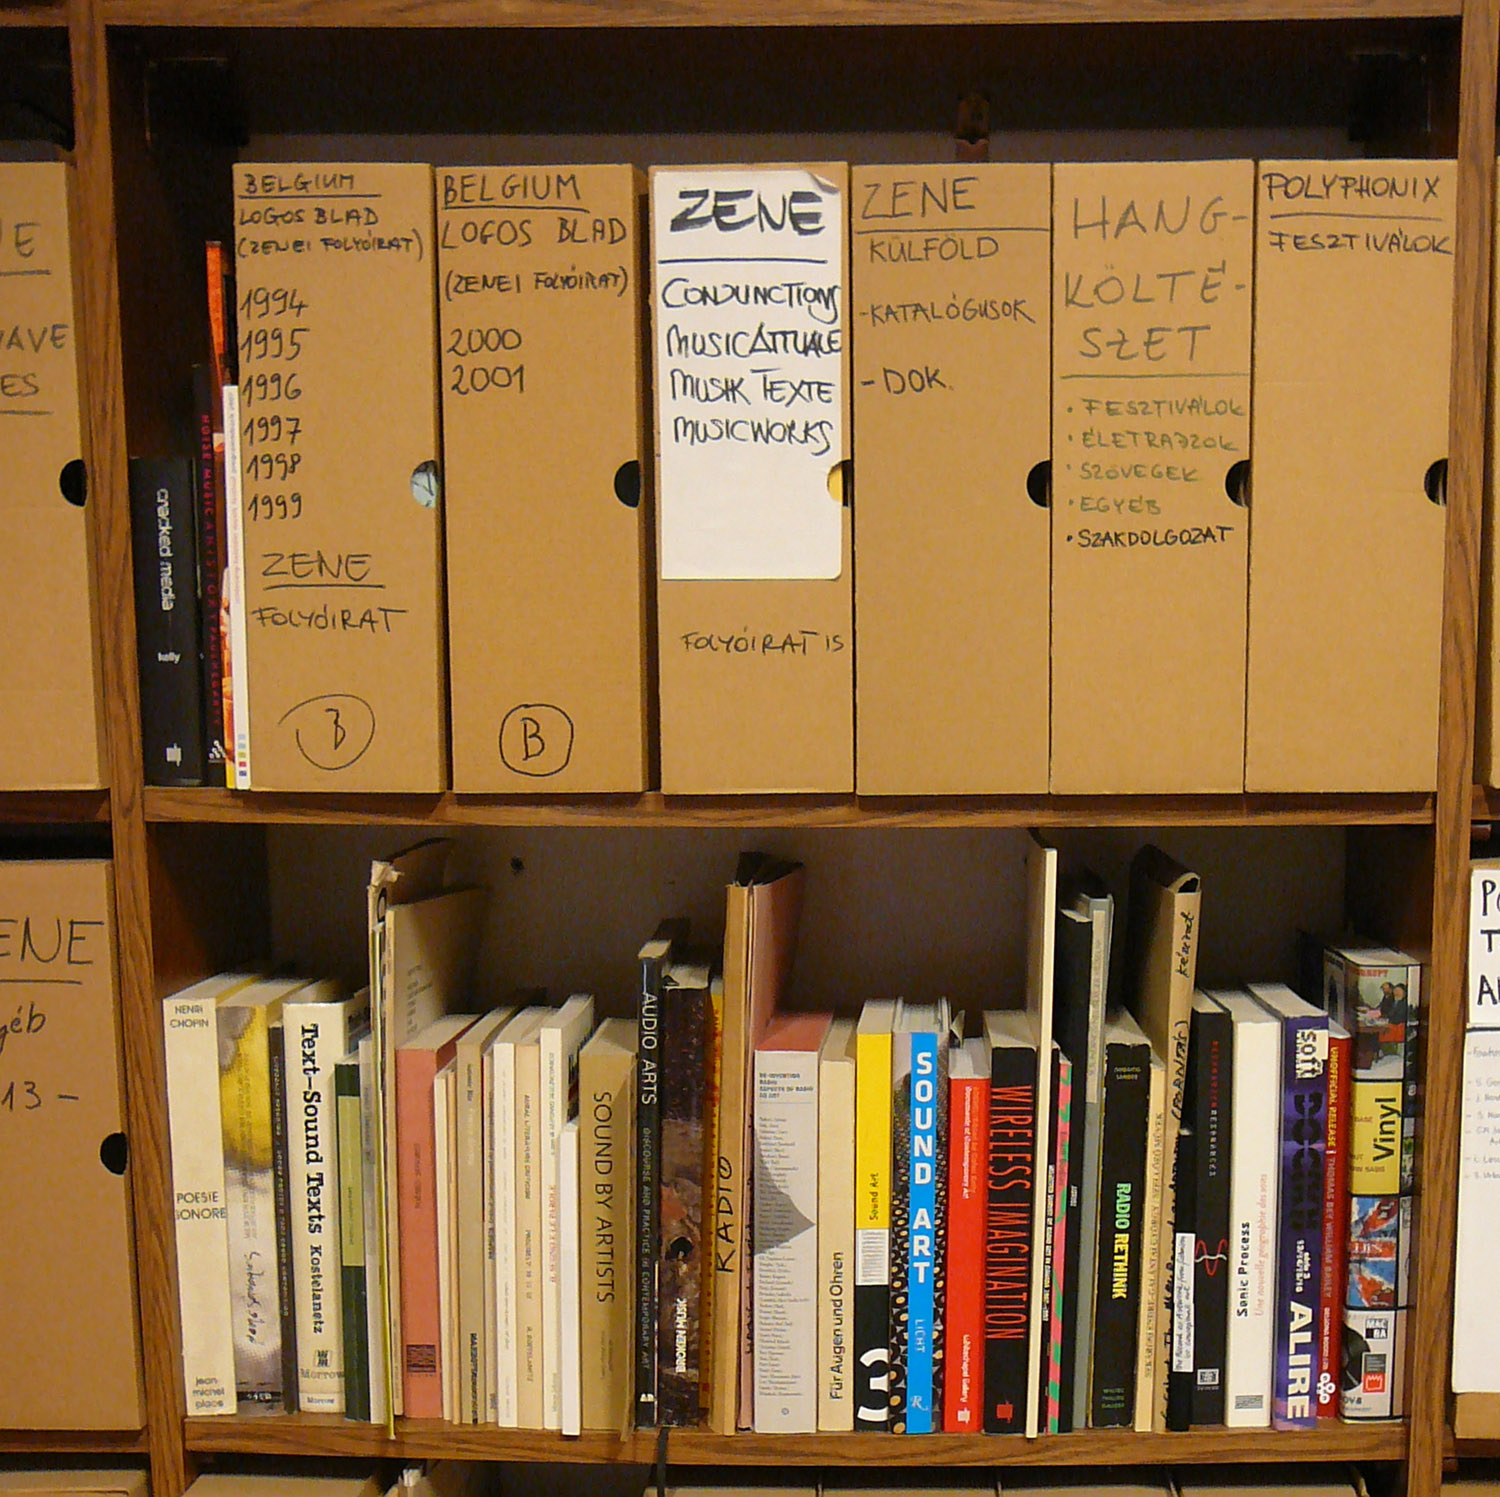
1353	331
950	294
67	1276
50	736
755	601
340	493
544	436
1150	414
66	1483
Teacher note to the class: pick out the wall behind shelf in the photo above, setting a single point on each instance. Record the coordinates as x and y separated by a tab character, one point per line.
889	911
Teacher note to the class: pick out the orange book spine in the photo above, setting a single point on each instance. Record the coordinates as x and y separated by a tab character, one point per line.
417	1225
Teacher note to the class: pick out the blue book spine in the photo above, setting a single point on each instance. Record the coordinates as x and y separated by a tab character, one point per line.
922	1234
1304	1132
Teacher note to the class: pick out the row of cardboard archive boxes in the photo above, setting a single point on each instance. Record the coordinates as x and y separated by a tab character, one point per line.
1145	492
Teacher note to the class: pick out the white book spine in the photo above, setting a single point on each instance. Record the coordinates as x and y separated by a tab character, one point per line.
785	1226
375	1320
554	1114
503	1128
315	1037
234	541
836	1244
198	1204
487	1152
569	1304
442	1172
1254	1176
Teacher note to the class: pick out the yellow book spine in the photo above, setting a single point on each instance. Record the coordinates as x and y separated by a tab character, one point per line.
1375	1137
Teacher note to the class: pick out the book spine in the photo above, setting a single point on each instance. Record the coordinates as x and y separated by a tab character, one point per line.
208	462
377	1356
1253	1180
1212	1051
489	1393
530	1394
713	1103
1153	1315
553	1115
923	1249
684	1060
1010	1201
315	1035
900	1317
503	1126
249	1192
968	1178
731	1243
784	1219
1051	1242
346	1088
1117	1281
1411	1076
1335	1229
442	1173
1064	1213
237	663
872	1229
1074	1302
836	1112
417	1229
166	617
606	1083
1299	1263
1375	1120
475	1233
1180	1377
570	1378
286	1253
647	1191
199	1205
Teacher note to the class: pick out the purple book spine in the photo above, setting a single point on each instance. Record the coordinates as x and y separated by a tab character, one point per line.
1304	1122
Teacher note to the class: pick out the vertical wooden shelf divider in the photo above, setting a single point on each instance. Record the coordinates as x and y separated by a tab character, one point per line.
109	494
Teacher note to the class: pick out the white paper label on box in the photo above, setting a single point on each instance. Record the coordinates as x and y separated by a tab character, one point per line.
749	304
1484	946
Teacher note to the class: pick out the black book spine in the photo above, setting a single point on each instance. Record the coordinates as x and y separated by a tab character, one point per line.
1053	1242
647	1189
210	514
1072	1255
166	620
1010	1201
1210	1070
354	1291
1122	1183
1184	1245
282	1188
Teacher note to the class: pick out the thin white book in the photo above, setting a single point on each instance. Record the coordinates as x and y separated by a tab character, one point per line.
198	1199
442	1171
234	545
559	1038
319	1027
1254	1181
570	1348
502	1151
375	1322
836	1228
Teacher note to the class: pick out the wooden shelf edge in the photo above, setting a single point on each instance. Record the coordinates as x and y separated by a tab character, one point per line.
53	16
655	809
329	1435
52	807
687	13
73	1442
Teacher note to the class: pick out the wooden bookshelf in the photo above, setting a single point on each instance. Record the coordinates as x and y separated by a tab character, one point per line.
183	857
418	1439
656	810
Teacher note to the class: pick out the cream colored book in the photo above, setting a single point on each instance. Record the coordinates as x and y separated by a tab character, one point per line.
198	1192
1150	1363
443	1092
836	1067
531	1404
606	1114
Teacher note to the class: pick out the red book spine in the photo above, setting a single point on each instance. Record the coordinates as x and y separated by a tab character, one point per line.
1335	1229
968	1181
416	1220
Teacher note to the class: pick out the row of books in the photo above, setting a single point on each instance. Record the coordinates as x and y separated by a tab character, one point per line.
725	1211
336	628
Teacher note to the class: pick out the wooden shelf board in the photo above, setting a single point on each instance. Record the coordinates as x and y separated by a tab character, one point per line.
615	13
303	1434
46	15
43	807
654	809
73	1442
